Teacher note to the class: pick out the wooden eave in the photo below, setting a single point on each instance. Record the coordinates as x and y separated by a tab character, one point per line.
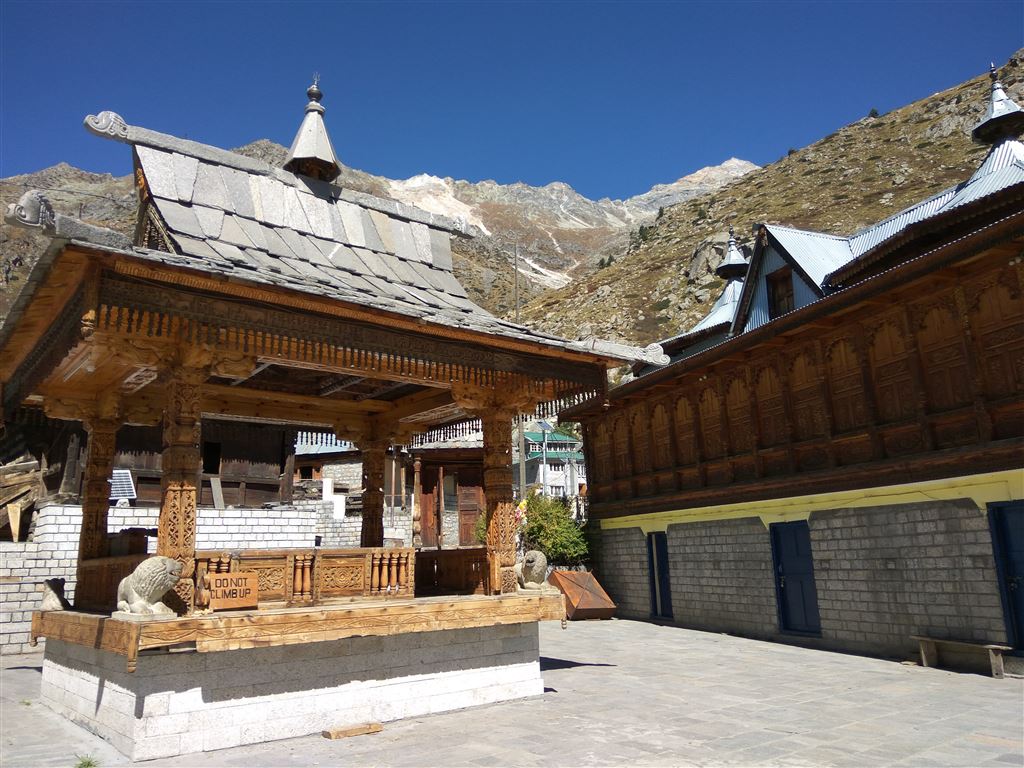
963	248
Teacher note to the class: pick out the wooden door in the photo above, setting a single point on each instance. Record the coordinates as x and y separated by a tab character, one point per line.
1008	543
470	508
795	589
657	564
428	507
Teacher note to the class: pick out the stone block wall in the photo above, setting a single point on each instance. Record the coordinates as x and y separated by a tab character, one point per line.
191	702
621	568
721	577
886	573
882	574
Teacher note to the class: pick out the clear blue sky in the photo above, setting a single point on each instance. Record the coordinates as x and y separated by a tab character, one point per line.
608	97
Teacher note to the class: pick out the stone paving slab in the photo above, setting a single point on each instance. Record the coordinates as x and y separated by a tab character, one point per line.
637	694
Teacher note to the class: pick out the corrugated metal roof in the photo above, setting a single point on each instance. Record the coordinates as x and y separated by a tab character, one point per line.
817	254
723	310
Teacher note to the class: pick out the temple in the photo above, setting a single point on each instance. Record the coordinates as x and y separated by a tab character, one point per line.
833	456
251	293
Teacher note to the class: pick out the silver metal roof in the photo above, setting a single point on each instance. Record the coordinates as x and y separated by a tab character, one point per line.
1003	118
817	254
723	310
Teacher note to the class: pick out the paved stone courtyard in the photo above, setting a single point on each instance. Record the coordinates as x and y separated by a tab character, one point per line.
631	693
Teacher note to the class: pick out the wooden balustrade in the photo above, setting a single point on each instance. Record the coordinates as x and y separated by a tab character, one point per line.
314	576
453	571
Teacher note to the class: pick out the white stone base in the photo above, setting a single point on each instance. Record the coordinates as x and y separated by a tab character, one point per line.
177	703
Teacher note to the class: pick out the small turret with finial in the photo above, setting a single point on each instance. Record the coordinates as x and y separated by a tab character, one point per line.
312	153
1003	118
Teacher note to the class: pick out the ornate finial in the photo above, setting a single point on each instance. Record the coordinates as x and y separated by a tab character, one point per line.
733	265
33	211
731	233
1003	118
313	92
107	124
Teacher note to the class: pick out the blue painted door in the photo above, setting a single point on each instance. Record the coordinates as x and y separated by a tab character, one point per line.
1008	530
795	590
657	568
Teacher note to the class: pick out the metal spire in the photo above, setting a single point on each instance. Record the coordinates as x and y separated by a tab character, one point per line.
733	266
311	153
1003	119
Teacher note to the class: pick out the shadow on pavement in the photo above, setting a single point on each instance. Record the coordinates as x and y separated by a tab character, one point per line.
547	663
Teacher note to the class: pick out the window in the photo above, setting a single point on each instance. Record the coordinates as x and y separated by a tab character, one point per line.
211	458
558	491
306	473
780	292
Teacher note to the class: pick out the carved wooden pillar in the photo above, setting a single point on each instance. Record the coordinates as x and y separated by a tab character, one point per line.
497	428
92	540
374	452
417	512
176	535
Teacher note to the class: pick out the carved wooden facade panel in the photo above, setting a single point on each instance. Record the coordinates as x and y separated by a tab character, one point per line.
621	447
686	432
895	392
661	429
711	427
641	436
737	405
995	317
944	356
805	388
846	386
771	408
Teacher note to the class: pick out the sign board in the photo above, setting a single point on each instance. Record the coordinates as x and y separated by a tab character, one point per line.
233	590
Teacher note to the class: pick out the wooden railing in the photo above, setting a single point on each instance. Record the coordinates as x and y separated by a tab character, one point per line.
314	576
452	571
98	579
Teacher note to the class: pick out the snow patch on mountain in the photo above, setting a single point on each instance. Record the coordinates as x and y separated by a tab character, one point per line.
435	195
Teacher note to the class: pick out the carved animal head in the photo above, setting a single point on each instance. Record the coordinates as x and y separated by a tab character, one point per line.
535	567
154	576
31	210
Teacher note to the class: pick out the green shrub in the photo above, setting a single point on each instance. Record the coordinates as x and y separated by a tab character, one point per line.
551	529
480	529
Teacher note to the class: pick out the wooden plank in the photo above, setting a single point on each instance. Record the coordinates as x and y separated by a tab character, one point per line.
218	492
353	730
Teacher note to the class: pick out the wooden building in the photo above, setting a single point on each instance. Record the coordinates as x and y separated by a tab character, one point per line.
835	458
257	293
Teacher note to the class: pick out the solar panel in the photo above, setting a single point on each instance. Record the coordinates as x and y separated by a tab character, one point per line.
121	485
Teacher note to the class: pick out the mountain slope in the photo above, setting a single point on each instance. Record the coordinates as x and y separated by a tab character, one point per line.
664	281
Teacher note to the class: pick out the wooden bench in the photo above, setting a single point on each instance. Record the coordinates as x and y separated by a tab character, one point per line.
930	651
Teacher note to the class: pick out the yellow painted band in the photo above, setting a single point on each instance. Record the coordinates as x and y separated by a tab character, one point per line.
1007	485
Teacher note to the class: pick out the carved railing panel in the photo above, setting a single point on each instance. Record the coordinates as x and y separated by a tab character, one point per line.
452	571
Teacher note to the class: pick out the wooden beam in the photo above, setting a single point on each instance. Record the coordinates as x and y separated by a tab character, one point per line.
418	403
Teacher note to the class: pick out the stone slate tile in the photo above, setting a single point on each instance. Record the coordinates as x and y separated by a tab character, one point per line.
159	171
353	223
185	169
237	185
376	264
275	245
441	249
265	261
425	276
429	297
198	248
448	283
231	253
382	223
406	274
209	189
232	233
318	214
384	288
302	248
405	246
271	200
353	282
305	269
210	219
179	218
345	258
323	250
373	240
254	231
294	216
421	239
338	233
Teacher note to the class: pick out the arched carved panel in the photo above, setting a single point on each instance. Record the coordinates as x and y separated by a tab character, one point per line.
941	341
808	413
661	428
737	406
686	432
641	441
620	448
849	410
891	373
997	317
710	407
771	409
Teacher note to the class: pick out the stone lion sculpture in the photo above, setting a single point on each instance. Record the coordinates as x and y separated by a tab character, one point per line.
53	596
141	590
532	572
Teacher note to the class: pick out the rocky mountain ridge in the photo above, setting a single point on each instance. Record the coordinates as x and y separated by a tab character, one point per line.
664	282
560	233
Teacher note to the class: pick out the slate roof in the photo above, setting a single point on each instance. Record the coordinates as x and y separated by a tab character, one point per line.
237	217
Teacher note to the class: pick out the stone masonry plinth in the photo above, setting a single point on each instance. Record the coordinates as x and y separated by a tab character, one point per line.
182	702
